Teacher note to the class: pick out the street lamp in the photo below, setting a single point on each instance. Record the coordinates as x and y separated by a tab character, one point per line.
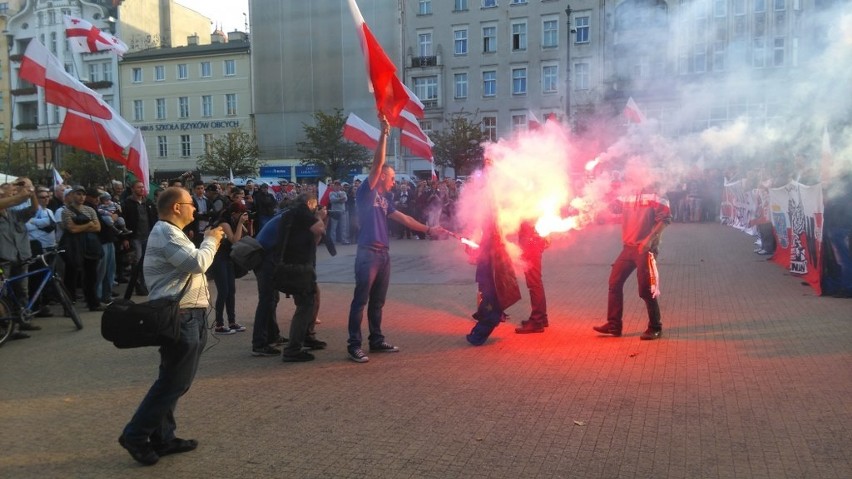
568	12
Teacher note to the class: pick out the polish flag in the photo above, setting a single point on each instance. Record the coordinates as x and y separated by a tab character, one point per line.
391	95
57	178
417	146
550	117
414	105
83	37
532	121
113	138
632	112
361	132
41	68
324	192
407	121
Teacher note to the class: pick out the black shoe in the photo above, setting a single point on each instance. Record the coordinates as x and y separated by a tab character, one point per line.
175	446
142	453
302	357
279	341
19	335
607	329
44	312
265	351
383	348
651	334
529	326
99	307
314	344
121	280
28	327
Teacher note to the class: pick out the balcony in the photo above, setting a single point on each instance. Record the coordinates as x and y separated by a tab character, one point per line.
31	90
420	62
98	85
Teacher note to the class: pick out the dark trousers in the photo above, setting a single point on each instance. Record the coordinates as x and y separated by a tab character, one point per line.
302	324
265	323
532	276
629	260
89	268
372	277
488	310
154	420
226	289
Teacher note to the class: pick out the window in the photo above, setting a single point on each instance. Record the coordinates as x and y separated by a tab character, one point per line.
719	56
53	42
778	52
519	81
581	25
106	67
162	146
426	88
739	7
550	34
94	72
581	76
137	75
489	127
779	5
138	110
205	69
489	39
51	17
185	146
424	44
460	41
758	53
489	83
699	58
549	78
206	106
489	3
231	104
759	5
230	68
159	73
183	106
424	7
182	72
519	2
519	36
460	5
520	122
4	8
161	108
720	8
460	85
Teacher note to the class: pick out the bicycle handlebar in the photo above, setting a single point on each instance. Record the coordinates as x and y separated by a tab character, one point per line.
42	258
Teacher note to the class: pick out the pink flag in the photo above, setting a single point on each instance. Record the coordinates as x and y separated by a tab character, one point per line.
83	37
41	68
359	131
632	111
390	93
418	147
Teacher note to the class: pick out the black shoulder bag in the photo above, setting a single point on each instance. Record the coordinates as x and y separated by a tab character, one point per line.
292	278
153	323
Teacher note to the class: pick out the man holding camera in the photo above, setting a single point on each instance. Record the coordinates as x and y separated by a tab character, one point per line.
14	241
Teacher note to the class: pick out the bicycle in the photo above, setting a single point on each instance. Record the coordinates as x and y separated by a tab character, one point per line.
14	311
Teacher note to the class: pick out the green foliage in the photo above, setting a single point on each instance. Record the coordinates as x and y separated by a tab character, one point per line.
87	169
459	144
237	151
21	162
326	147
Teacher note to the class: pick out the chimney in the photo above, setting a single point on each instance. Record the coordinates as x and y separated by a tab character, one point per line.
192	39
237	36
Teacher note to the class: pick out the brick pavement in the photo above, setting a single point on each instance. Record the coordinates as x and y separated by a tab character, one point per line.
752	379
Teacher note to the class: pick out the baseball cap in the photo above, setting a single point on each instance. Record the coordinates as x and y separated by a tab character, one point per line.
94	192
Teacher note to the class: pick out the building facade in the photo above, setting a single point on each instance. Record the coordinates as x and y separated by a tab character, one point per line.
184	97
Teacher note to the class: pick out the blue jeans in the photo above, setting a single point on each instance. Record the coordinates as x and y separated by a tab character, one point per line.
629	260
372	276
226	290
154	420
106	273
265	323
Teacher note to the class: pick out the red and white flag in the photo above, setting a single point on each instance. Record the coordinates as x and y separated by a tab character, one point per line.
532	121
632	111
41	68
406	121
414	105
57	178
417	146
361	132
324	193
391	95
83	37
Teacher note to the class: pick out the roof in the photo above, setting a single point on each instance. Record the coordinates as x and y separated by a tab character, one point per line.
233	46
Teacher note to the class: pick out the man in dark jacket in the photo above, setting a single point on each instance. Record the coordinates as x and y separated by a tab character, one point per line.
140	216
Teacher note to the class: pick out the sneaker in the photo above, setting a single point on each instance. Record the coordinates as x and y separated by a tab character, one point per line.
223	330
236	327
314	344
302	357
607	329
175	446
357	355
142	453
650	334
279	341
44	312
529	326
265	351
28	327
383	348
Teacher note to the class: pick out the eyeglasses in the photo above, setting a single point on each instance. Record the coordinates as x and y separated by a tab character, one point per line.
43	197
185	203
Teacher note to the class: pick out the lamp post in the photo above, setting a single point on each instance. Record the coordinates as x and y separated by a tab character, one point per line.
568	12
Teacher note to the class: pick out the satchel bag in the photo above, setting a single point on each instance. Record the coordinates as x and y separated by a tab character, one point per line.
291	278
246	254
135	325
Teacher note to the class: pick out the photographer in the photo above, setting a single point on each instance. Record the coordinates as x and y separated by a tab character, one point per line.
233	224
82	246
14	242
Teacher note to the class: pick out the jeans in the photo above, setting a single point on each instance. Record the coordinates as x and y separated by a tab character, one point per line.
106	273
226	288
265	324
372	276
488	310
629	260
154	420
338	226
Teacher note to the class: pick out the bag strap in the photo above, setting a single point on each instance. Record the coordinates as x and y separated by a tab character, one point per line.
185	288
286	224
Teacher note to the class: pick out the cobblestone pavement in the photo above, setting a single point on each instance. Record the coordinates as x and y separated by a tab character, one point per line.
751	379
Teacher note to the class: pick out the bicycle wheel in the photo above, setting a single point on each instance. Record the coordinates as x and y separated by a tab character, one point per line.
7	322
67	305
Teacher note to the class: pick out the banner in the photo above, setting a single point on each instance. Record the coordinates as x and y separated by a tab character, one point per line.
797	219
739	205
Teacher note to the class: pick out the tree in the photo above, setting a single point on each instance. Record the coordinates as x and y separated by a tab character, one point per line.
325	146
21	161
88	169
459	144
235	151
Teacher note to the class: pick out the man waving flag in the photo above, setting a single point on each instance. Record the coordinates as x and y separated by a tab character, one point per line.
83	37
